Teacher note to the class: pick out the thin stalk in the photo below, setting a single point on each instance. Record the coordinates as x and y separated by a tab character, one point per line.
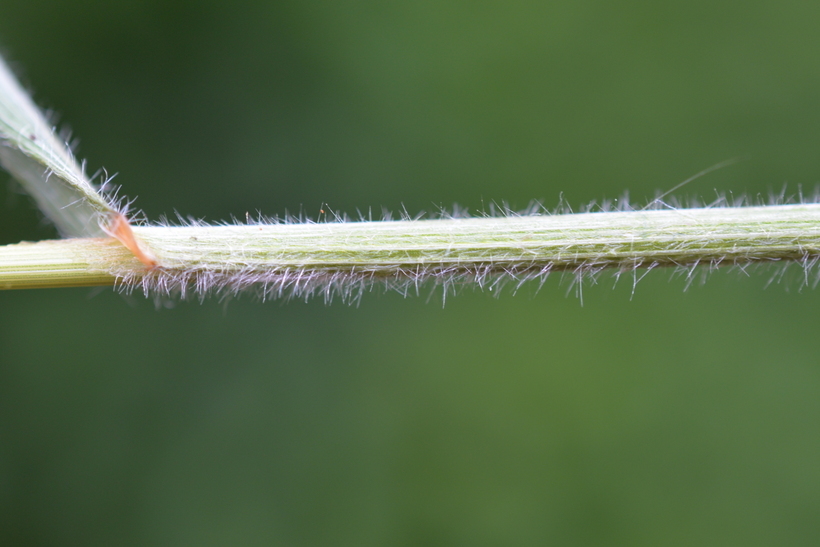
344	258
80	262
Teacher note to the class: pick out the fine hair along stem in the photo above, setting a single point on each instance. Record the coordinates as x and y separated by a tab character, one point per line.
344	259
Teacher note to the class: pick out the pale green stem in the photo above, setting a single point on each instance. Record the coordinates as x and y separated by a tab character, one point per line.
308	257
341	258
80	262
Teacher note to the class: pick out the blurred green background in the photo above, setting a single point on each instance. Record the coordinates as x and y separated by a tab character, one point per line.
672	417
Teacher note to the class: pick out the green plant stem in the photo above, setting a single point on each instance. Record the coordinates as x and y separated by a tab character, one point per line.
79	262
514	246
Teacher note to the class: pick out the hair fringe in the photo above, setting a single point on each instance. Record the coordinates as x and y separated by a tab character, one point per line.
350	285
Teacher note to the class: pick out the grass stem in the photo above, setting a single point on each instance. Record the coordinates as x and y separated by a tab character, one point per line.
346	257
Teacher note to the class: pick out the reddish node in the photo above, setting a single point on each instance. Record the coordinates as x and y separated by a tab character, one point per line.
119	228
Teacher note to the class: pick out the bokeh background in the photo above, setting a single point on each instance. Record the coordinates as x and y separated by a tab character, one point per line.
674	417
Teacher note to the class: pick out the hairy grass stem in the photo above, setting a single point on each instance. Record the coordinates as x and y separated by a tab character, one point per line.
302	259
346	258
